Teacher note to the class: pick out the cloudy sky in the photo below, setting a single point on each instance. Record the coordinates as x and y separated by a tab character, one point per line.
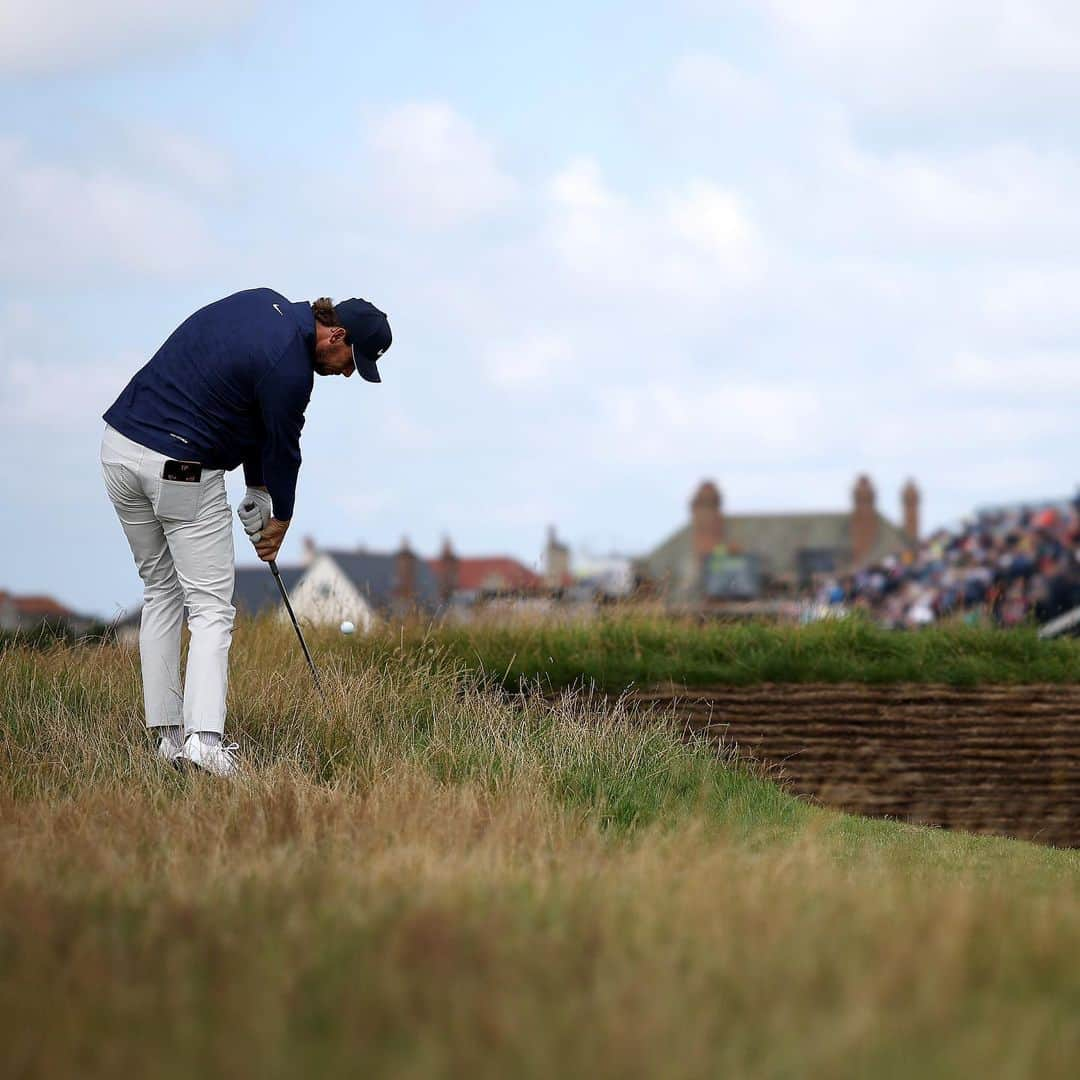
623	247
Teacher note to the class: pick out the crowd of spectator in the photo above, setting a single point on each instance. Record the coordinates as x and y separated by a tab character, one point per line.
1007	567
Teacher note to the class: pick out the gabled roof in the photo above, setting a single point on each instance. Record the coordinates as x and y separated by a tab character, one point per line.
256	590
494	573
374	576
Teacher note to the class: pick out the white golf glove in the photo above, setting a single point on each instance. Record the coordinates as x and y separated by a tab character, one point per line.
254	512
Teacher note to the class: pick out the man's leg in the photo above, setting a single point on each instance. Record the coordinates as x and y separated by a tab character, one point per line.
159	640
202	552
163	602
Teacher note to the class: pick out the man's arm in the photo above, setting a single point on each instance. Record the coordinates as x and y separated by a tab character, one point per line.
282	398
253	470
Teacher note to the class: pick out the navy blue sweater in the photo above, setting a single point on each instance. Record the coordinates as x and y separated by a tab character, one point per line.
229	388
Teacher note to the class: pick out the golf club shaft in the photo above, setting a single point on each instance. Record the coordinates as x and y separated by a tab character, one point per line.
296	626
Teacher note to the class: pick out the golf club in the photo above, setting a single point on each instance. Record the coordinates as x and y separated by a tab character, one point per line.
299	633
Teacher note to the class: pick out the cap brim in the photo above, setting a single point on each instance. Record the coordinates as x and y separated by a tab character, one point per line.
365	368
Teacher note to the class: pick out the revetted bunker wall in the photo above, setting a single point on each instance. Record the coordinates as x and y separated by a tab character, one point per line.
1000	760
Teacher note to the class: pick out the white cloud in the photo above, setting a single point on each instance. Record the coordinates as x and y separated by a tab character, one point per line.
1034	376
715	80
538	359
434	169
580	187
1005	198
938	430
186	160
714	222
61	398
706	423
50	36
48	386
364	505
883	52
402	431
66	220
1033	301
817	179
992	193
697	243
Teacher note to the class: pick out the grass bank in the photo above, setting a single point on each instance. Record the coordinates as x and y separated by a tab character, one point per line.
433	880
622	651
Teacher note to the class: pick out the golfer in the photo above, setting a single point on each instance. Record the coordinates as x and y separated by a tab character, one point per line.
228	388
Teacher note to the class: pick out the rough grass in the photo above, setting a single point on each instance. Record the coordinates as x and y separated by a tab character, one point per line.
435	879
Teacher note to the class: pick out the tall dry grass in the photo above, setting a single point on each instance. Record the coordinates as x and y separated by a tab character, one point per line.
432	879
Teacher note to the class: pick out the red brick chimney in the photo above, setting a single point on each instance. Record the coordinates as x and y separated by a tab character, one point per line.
447	567
864	521
404	577
910	498
706	519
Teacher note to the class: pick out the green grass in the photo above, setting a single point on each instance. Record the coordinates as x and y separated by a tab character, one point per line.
435	878
618	652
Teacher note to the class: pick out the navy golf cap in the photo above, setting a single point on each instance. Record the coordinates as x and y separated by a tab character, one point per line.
369	334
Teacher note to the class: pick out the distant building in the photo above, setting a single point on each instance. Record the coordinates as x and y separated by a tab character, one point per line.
332	586
29	612
474	577
717	555
361	586
556	562
9	613
256	591
607	576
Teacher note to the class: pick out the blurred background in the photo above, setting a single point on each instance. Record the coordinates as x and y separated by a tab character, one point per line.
624	249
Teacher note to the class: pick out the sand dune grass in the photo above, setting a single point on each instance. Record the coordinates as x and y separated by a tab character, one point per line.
432	879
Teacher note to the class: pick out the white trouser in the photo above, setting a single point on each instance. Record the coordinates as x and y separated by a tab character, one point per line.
180	533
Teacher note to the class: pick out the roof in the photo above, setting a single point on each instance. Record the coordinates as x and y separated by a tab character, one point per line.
40	606
374	575
776	539
494	573
256	590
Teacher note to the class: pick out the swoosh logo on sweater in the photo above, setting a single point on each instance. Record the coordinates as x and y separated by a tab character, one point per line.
279	311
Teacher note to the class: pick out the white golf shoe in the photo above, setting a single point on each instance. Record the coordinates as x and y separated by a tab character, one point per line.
218	758
170	748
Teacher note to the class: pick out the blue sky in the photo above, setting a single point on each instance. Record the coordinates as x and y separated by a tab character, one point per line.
623	248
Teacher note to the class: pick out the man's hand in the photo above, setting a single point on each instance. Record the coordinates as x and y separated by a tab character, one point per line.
254	511
273	532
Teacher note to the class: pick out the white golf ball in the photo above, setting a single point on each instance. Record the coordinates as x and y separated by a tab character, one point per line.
347	627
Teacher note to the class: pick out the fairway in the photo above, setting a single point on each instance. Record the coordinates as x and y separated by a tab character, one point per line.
440	877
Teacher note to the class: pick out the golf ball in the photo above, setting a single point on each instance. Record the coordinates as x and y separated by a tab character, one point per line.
347	627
